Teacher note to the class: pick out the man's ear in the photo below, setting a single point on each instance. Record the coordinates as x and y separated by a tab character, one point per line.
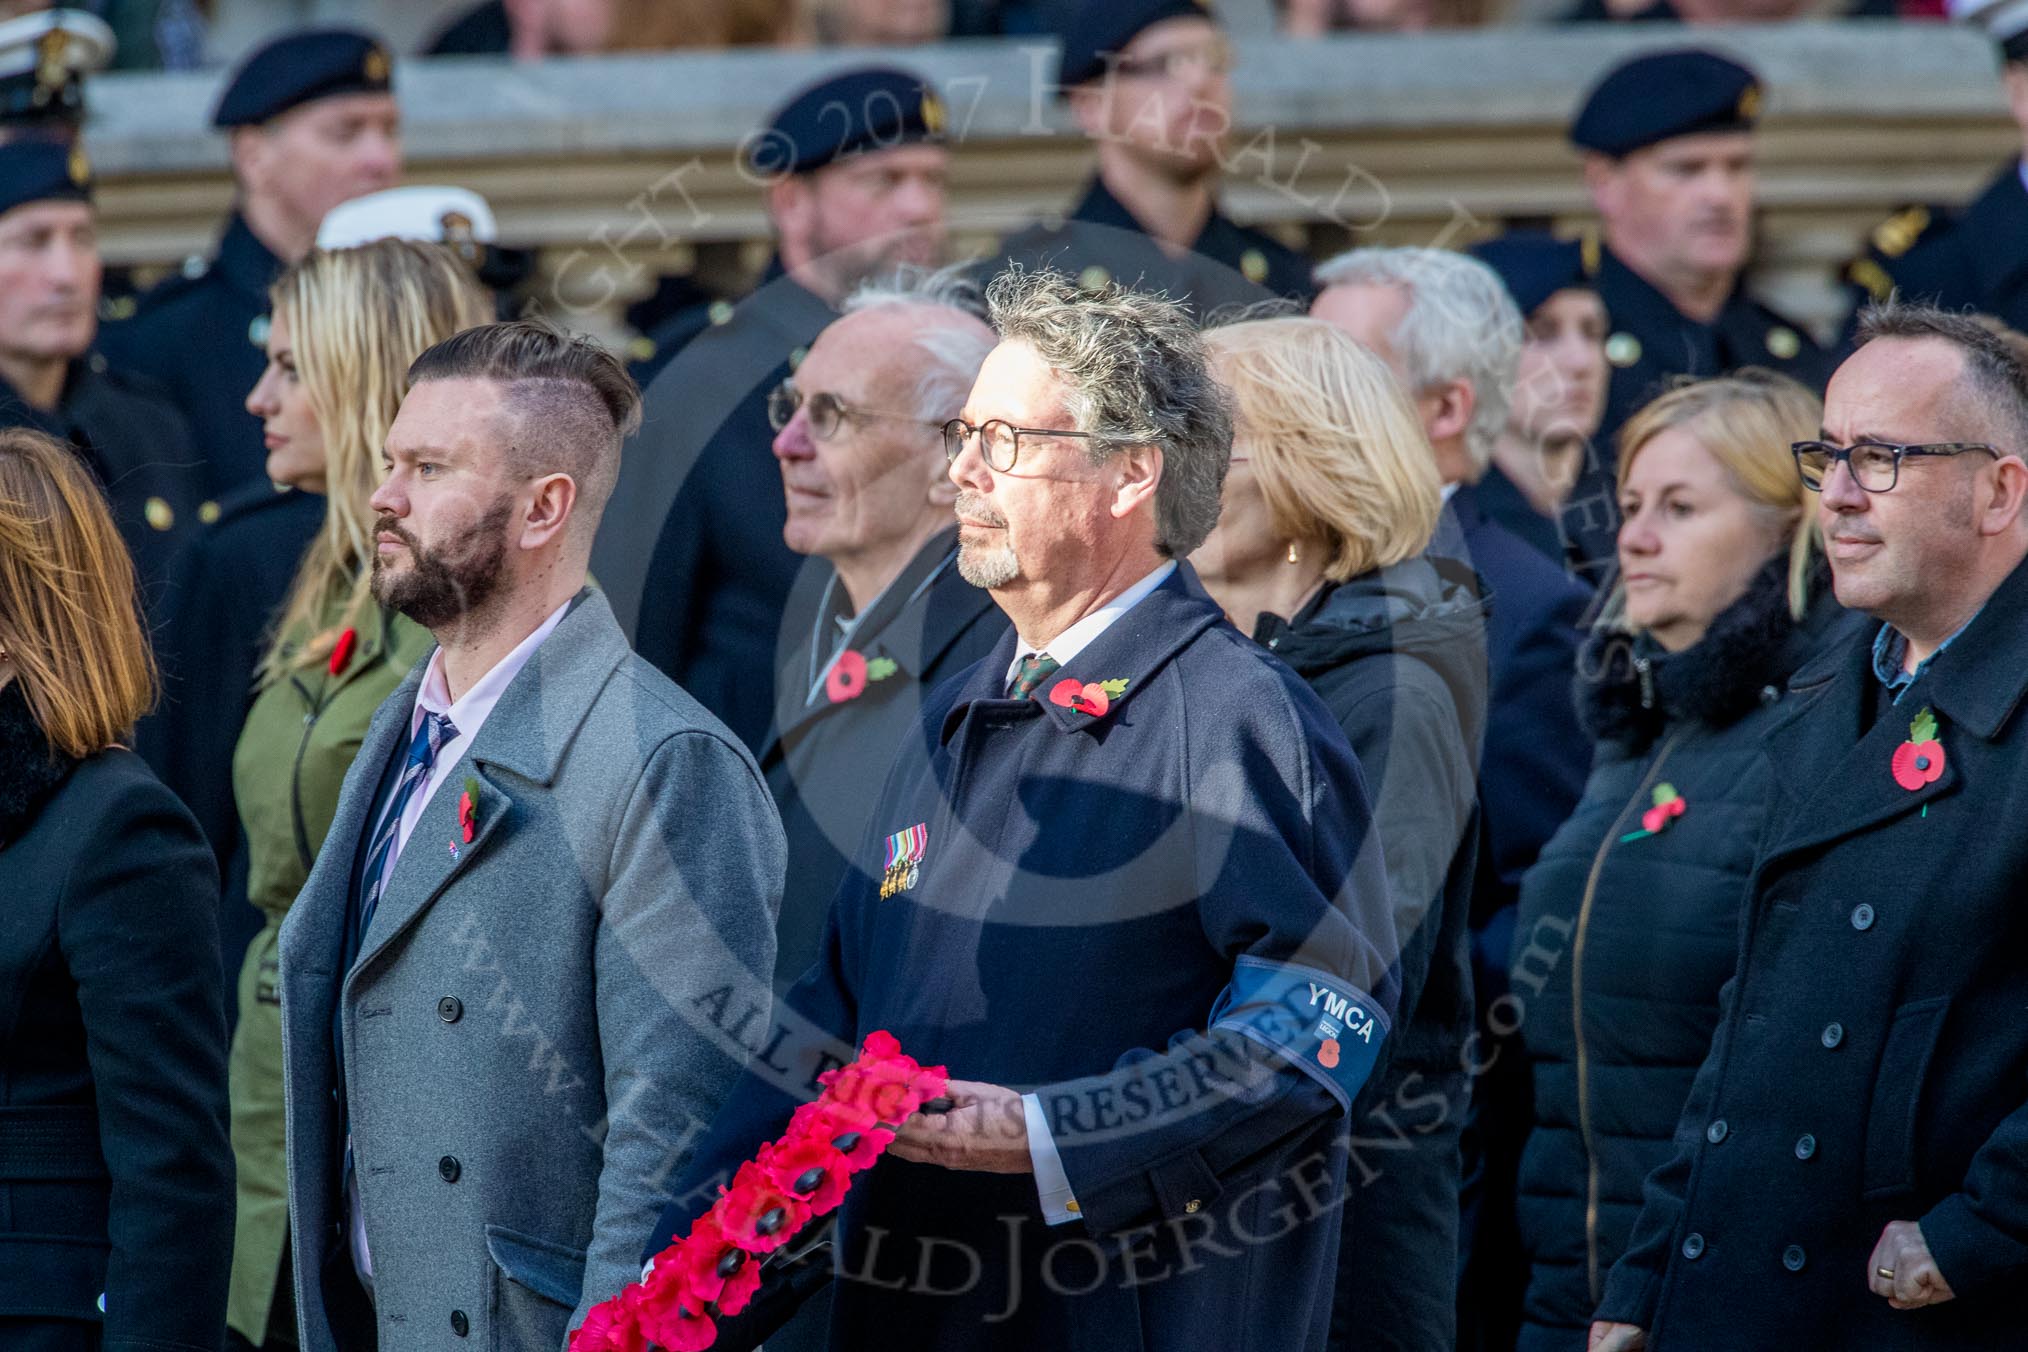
1602	181
1449	409
551	505
943	494
1140	471
791	203
248	151
1088	106
2002	510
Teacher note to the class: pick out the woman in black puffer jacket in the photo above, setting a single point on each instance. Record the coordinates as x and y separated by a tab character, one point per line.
1629	920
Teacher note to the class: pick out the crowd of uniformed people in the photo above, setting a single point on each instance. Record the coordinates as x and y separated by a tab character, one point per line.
1428	799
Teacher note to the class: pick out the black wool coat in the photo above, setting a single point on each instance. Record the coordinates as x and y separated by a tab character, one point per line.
1624	937
1871	1059
1399	658
202	335
690	549
116	1182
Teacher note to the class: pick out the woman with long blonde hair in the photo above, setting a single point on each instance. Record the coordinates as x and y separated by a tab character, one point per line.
1321	555
346	324
115	1174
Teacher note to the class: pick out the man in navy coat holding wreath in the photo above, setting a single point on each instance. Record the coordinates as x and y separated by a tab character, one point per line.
1120	881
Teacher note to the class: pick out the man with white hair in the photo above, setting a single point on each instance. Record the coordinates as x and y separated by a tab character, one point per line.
858	439
1447	327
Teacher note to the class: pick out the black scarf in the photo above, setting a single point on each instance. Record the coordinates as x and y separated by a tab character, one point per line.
1630	690
29	767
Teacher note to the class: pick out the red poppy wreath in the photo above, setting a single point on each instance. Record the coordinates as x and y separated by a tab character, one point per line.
715	1270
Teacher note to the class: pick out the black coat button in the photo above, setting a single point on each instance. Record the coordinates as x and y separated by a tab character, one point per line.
1793	1258
1862	917
448	1166
1834	1033
459	1324
1716	1131
450	1009
1693	1246
1806	1146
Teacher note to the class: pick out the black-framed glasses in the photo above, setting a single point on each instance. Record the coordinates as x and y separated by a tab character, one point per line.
1875	465
999	440
827	410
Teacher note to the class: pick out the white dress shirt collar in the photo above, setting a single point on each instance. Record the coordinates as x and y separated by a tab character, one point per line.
1074	640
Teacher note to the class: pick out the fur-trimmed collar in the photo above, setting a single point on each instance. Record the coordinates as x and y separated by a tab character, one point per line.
29	768
1630	690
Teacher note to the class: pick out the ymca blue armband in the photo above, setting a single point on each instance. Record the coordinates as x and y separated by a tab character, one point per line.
1311	1019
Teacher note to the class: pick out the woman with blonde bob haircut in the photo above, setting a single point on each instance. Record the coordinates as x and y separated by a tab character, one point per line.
1329	508
1722	594
112	1015
346	324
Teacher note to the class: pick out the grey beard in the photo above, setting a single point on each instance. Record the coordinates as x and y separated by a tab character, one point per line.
988	567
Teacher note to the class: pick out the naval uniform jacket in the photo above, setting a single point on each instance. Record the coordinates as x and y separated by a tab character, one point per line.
204	336
1977	259
138	448
690	549
1651	343
1159	919
1101	241
827	754
1871	1060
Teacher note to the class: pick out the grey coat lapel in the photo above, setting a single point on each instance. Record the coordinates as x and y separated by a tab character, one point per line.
318	918
524	738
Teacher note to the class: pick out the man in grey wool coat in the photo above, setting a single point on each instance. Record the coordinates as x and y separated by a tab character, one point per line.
549	873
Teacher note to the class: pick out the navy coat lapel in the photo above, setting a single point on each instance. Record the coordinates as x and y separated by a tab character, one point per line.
1841	780
1134	648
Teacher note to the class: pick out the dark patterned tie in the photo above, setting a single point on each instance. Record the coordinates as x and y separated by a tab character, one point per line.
429	739
1033	671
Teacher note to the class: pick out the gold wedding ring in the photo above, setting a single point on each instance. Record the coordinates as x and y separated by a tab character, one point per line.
1885	1272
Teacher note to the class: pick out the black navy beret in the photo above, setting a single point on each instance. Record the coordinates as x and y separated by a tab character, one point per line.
1663	94
310	64
38	169
1098	29
871	108
1536	266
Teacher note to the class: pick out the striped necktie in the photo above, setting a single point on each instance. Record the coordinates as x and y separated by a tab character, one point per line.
1033	671
429	739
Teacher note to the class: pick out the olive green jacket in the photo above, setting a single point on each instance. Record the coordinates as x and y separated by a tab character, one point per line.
300	738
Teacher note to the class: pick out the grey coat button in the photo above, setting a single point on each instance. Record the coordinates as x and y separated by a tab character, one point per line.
450	1009
1693	1246
1834	1033
449	1167
1806	1146
1716	1131
459	1324
1862	917
1793	1258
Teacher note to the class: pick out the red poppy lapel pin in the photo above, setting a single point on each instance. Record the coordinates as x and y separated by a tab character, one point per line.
1665	806
341	651
468	811
1920	759
1093	698
852	673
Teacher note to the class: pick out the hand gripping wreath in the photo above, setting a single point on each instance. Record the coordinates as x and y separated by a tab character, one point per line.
716	1269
